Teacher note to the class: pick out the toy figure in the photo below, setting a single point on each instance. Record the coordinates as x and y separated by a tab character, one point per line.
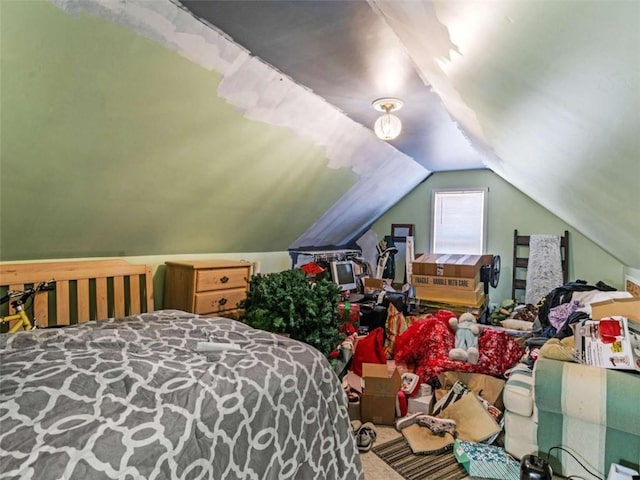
467	331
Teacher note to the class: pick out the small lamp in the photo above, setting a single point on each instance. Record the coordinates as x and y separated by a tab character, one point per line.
387	126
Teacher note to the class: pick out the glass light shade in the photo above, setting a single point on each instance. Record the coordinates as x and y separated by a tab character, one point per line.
387	126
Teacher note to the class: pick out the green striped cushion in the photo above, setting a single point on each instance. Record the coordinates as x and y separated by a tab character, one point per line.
595	412
518	391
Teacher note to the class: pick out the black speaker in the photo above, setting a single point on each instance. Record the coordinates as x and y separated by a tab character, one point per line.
398	299
373	317
535	468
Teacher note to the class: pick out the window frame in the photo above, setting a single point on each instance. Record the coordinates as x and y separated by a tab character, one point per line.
432	214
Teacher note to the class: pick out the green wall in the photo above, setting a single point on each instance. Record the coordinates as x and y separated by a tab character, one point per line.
264	262
115	146
112	145
508	209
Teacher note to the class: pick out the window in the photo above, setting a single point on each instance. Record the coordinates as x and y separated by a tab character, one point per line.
458	221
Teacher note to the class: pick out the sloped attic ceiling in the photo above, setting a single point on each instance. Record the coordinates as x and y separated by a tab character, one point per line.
548	93
544	93
553	89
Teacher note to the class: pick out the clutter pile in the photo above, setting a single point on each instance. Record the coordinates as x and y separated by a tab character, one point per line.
467	407
428	341
502	312
387	383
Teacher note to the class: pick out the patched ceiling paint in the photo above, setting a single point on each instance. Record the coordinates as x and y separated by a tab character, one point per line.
546	94
346	53
265	94
553	89
113	145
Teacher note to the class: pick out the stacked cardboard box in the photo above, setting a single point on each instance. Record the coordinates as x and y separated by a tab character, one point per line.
450	279
428	306
378	403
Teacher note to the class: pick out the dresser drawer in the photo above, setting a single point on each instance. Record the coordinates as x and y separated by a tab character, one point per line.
223	278
218	301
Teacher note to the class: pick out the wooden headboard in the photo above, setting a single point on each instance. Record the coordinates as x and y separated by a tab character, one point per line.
84	290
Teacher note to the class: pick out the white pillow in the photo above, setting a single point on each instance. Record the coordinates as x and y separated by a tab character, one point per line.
515	324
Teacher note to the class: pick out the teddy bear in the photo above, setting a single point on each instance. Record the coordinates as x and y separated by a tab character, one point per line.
467	332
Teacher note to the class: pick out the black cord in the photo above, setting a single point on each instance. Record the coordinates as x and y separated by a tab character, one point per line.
570	477
576	459
28	305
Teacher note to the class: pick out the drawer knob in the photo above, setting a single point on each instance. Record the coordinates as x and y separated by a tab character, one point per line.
224	279
222	301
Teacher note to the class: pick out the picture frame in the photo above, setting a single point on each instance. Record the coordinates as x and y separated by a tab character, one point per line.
400	231
632	285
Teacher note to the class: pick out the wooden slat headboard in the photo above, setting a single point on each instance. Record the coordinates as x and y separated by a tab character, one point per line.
84	290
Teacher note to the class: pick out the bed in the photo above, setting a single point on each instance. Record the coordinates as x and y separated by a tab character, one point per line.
163	394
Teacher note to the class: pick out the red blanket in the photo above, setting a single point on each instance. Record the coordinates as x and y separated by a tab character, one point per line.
428	340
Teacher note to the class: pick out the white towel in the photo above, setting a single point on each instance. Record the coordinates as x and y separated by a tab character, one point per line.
544	272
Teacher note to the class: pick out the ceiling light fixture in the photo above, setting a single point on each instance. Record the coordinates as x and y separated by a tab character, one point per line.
387	126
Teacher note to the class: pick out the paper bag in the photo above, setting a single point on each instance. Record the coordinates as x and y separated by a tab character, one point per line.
424	441
473	423
488	387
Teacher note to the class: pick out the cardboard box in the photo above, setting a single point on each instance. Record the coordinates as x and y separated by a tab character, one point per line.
378	402
617	346
456	283
354	411
450	265
420	404
372	285
401	366
624	307
449	295
432	306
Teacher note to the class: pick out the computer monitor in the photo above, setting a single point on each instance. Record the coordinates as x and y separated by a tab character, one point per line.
343	274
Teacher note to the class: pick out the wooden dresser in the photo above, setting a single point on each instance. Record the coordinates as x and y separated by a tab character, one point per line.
212	288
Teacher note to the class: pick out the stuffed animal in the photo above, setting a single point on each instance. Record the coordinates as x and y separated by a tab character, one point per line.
467	331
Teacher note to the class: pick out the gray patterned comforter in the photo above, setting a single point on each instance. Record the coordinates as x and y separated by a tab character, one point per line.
131	398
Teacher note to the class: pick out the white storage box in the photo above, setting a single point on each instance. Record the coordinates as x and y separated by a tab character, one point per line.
420	404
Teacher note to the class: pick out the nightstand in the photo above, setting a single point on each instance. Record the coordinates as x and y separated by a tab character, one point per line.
212	288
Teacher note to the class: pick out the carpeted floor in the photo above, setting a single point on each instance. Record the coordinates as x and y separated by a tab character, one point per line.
375	467
398	455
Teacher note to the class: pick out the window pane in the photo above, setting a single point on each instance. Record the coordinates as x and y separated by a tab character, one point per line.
458	222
